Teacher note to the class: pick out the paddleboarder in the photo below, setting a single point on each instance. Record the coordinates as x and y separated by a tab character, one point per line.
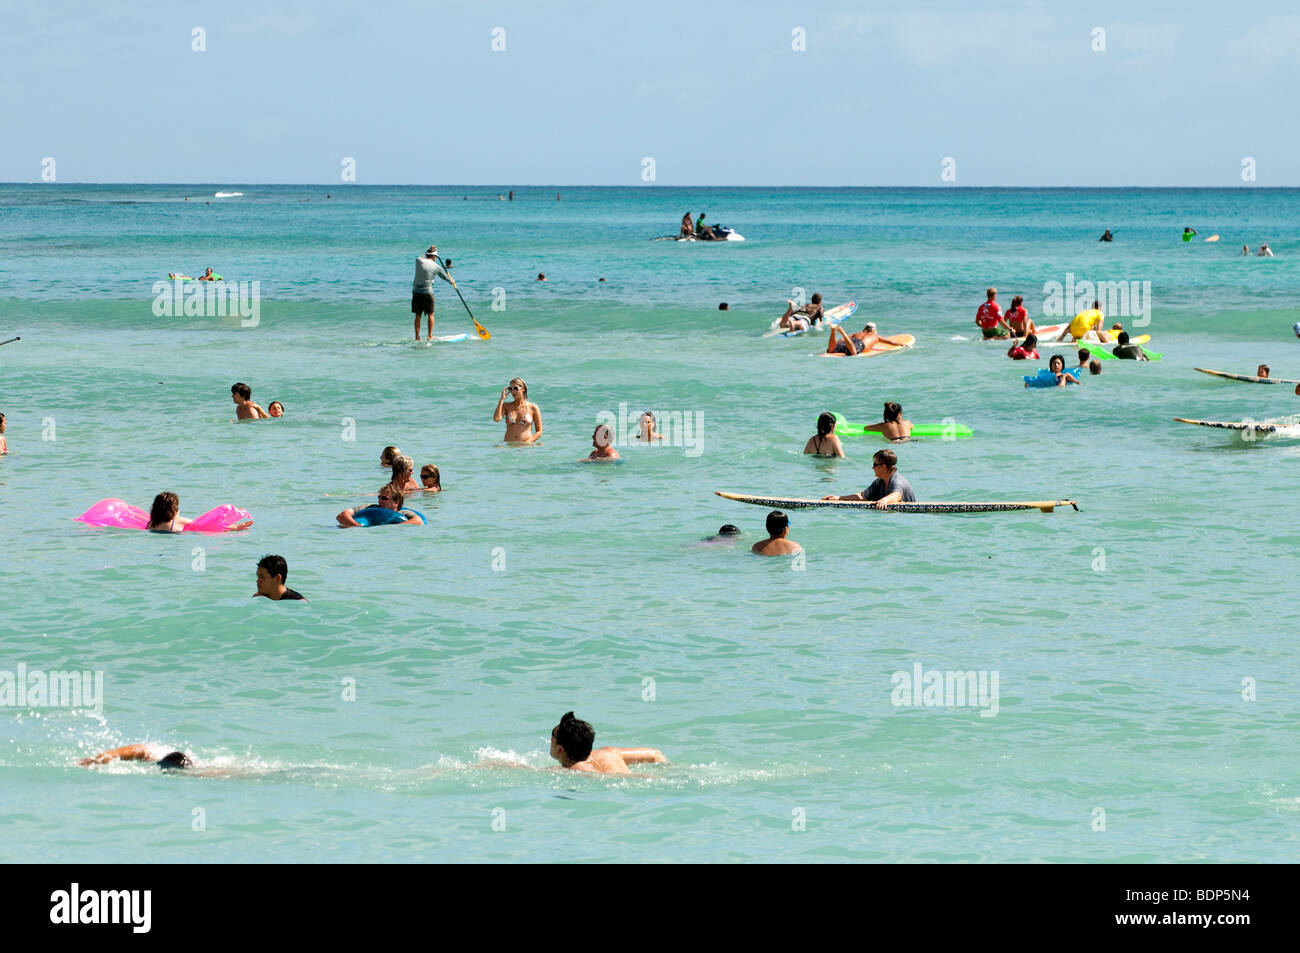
427	268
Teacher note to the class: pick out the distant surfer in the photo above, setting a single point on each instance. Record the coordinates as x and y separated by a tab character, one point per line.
824	443
1188	233
688	227
1245	249
988	317
778	542
803	318
571	743
1106	236
888	486
1264	252
603	442
427	268
859	342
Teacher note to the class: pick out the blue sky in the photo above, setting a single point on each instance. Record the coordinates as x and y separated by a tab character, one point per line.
713	92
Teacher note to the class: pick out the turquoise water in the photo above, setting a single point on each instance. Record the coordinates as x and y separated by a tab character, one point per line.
1120	634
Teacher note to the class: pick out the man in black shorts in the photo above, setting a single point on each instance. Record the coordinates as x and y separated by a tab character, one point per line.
427	269
272	571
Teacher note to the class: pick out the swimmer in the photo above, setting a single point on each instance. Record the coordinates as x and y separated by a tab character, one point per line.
1025	350
1245	249
1082	357
727	533
275	409
603	440
427	270
175	761
1057	366
894	427
1128	352
403	480
1094	367
571	742
389	499
724	306
1018	319
888	487
430	479
163	516
388	455
1262	371
1264	252
801	319
988	317
523	419
778	542
825	442
1188	233
4	445
859	342
541	276
245	408
1106	236
646	428
272	571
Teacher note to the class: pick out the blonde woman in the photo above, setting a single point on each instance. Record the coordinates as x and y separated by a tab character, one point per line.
523	419
403	480
430	479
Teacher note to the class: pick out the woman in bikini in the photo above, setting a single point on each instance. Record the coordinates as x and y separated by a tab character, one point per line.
523	419
894	427
824	443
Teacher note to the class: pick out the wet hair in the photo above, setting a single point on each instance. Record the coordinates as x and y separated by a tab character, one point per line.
603	435
176	761
402	464
817	297
1083	356
1051	362
541	276
887	457
1096	304
394	492
892	411
825	424
1017	301
1123	337
387	456
776	522
1031	341
1094	366
272	404
722	307
164	509
728	529
429	470
520	382
575	736
274	566
242	389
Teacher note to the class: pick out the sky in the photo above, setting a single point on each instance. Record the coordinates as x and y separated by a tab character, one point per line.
713	93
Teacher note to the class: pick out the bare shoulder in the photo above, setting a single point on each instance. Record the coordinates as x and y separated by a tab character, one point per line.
607	761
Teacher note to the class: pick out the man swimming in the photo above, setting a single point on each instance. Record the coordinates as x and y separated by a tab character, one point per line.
571	742
245	407
272	571
778	542
152	754
888	487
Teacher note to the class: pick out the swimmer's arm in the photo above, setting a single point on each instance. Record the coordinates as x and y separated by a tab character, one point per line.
902	343
642	755
839	447
875	428
413	520
345	519
884	501
125	753
499	412
808	447
537	424
850	498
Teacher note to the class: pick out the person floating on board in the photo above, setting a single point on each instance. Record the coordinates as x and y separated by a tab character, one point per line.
778	542
427	269
688	227
571	743
1127	351
1106	236
824	443
603	442
888	486
1025	350
272	571
389	499
209	276
1084	322
1188	233
801	319
989	317
859	342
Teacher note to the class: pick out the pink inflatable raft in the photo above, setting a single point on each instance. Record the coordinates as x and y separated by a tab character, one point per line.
122	515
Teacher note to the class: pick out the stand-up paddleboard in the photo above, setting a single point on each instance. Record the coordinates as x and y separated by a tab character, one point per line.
833	317
1246	377
845	429
1239	425
795	503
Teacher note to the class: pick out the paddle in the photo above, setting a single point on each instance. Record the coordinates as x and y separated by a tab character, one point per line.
10	341
482	331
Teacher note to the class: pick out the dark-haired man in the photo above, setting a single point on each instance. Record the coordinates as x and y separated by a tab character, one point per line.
245	408
888	487
778	542
571	742
1128	352
272	571
175	761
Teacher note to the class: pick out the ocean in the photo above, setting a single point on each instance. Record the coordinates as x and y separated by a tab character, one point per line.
1137	657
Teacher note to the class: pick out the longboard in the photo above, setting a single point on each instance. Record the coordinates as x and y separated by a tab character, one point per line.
794	503
880	347
1236	425
1246	377
1091	338
833	317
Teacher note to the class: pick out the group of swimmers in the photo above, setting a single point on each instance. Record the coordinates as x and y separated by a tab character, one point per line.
247	409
